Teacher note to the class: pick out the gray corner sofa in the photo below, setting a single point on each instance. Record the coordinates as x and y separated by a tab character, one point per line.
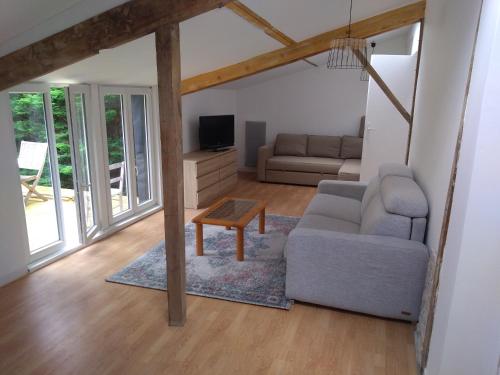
307	159
360	247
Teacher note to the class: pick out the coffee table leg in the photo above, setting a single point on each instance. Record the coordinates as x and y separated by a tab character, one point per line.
228	227
262	221
240	240
199	239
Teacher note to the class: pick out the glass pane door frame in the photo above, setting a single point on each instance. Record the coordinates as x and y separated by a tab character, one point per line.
134	207
44	89
86	136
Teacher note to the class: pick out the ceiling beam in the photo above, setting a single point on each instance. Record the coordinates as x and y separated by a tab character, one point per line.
366	28
124	23
253	18
381	83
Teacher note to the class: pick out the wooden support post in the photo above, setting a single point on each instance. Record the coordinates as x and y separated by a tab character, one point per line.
383	86
169	93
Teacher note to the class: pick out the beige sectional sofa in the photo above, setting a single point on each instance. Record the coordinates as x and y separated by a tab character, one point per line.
307	159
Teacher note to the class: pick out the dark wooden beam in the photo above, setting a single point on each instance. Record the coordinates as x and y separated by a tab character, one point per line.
391	20
169	94
119	25
383	86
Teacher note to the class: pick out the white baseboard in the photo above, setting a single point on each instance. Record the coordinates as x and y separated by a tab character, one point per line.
12	276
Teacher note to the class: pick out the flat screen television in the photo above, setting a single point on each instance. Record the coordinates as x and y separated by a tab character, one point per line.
216	132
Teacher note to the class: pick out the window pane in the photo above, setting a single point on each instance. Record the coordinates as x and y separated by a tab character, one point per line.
113	105
63	149
142	171
28	114
83	159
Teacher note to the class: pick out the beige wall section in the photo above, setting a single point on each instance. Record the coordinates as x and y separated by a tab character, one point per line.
447	48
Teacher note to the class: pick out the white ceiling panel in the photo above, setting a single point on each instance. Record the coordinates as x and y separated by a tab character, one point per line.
301	19
206	45
219	38
23	22
209	41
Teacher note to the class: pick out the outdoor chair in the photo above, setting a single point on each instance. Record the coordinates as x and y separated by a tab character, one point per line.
120	178
32	156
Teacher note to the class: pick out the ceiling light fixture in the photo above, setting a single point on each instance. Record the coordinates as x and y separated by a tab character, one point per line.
341	54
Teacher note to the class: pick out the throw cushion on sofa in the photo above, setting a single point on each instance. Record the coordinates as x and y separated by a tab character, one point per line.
323	146
291	145
352	147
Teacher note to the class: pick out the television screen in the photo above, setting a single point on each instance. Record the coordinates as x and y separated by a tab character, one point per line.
216	132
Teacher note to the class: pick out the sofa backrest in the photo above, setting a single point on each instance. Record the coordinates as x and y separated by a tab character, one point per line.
394	205
352	147
346	147
324	146
291	145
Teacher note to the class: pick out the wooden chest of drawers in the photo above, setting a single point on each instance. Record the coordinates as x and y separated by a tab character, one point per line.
207	176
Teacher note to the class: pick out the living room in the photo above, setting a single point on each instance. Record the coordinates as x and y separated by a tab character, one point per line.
282	258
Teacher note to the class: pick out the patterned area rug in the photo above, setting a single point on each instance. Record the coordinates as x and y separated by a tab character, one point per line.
259	280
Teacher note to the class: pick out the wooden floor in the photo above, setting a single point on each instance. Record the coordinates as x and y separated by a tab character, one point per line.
64	319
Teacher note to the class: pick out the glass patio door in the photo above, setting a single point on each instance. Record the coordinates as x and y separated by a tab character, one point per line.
38	168
126	115
84	172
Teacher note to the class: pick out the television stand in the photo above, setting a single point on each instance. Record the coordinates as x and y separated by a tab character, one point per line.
208	176
223	149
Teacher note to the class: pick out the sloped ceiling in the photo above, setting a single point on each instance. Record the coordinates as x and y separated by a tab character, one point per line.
209	41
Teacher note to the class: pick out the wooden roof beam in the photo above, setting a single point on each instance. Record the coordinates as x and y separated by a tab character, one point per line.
366	28
122	24
259	22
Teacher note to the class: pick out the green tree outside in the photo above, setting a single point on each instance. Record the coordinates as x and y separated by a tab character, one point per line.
29	125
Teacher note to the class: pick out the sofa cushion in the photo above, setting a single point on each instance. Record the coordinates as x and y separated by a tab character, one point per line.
323	146
304	164
336	207
291	145
377	221
352	147
394	169
402	196
321	222
350	170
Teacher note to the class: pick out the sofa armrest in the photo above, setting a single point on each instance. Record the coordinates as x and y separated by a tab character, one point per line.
376	275
348	189
265	152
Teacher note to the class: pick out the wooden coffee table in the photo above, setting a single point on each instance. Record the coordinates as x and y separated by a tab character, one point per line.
231	213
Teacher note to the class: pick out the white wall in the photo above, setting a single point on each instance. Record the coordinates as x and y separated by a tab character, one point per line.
204	103
393	46
313	101
447	48
466	334
386	132
14	246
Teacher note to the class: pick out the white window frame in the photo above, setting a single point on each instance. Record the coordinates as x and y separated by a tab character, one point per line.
134	208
